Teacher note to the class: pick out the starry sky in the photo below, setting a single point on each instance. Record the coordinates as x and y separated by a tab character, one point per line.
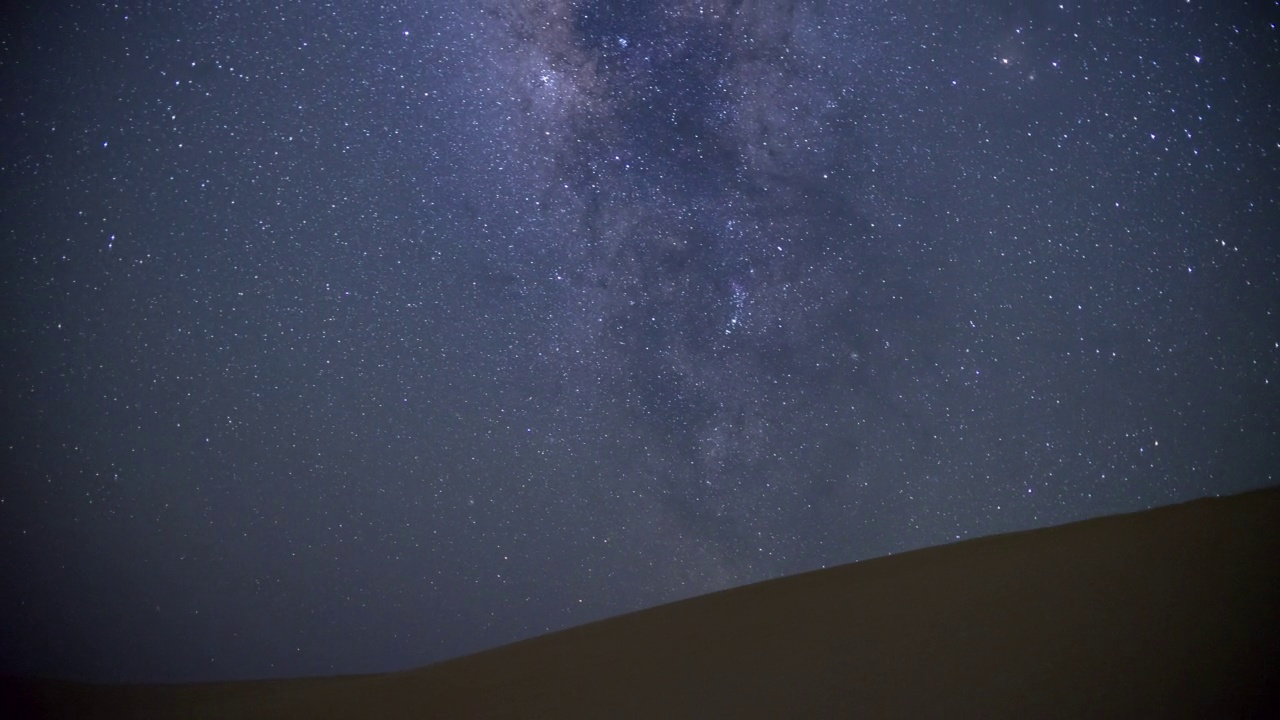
347	337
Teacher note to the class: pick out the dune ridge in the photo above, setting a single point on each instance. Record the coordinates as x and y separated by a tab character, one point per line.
1171	612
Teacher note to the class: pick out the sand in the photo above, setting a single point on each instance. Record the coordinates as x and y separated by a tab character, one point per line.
1174	612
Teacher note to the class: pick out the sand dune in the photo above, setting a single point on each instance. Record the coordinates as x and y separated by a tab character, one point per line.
1173	612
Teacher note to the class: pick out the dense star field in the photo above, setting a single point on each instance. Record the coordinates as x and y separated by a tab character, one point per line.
351	337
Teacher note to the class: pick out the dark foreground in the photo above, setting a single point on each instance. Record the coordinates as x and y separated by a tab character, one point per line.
1173	612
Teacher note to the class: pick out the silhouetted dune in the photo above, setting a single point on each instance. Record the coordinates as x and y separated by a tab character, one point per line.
1167	613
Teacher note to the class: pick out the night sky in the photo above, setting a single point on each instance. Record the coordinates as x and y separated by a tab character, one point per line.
347	337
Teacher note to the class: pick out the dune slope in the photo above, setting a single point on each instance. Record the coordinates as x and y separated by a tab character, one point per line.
1174	612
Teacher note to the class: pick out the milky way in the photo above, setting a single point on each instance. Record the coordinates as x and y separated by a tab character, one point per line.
703	167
